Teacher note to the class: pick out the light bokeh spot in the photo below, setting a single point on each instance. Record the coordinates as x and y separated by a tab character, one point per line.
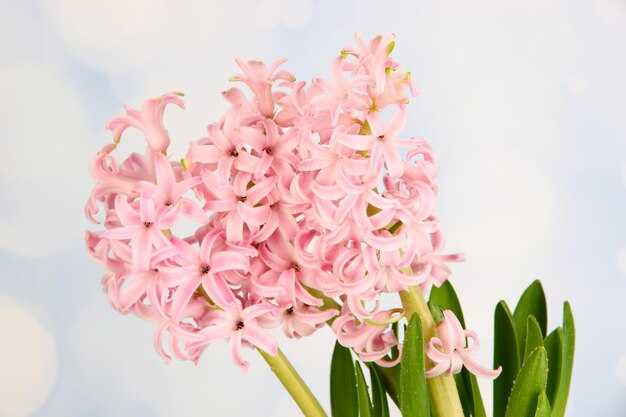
28	360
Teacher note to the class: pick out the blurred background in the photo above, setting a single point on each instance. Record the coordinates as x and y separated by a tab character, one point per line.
523	102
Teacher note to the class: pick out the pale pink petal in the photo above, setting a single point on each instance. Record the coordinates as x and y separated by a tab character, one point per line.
219	139
127	232
255	216
127	215
259	338
246	162
219	291
212	334
478	370
433	352
165	178
260	190
184	292
254	311
235	350
437	370
393	161
357	142
206	246
229	260
208	154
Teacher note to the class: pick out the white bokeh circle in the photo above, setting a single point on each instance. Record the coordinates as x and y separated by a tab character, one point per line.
28	360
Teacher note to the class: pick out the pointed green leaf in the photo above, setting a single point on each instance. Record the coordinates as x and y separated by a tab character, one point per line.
414	399
477	406
554	348
365	406
567	362
445	297
463	395
343	391
394	349
380	408
505	354
390	378
474	401
532	379
532	302
534	339
543	406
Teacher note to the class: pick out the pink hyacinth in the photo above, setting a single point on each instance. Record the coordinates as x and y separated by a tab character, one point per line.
308	203
449	352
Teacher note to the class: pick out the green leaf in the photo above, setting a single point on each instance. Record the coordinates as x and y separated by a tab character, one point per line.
478	407
343	391
380	408
394	349
414	400
543	406
567	362
436	311
505	354
532	302
534	339
390	378
463	396
365	406
554	347
445	297
532	379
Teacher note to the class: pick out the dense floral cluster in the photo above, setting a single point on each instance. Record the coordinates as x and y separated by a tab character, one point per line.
301	194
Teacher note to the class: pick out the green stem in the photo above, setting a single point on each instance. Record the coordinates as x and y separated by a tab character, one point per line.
443	392
294	384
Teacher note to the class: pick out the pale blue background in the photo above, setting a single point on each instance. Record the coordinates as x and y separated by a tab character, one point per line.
523	102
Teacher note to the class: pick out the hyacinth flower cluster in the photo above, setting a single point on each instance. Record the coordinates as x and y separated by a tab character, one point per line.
309	204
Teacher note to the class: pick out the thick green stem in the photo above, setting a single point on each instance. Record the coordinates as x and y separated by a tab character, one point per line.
443	392
292	382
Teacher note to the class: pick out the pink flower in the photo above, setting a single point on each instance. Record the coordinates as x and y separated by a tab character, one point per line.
168	191
200	267
143	222
149	120
449	353
224	151
276	150
341	92
238	324
239	202
260	79
382	143
297	190
372	342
